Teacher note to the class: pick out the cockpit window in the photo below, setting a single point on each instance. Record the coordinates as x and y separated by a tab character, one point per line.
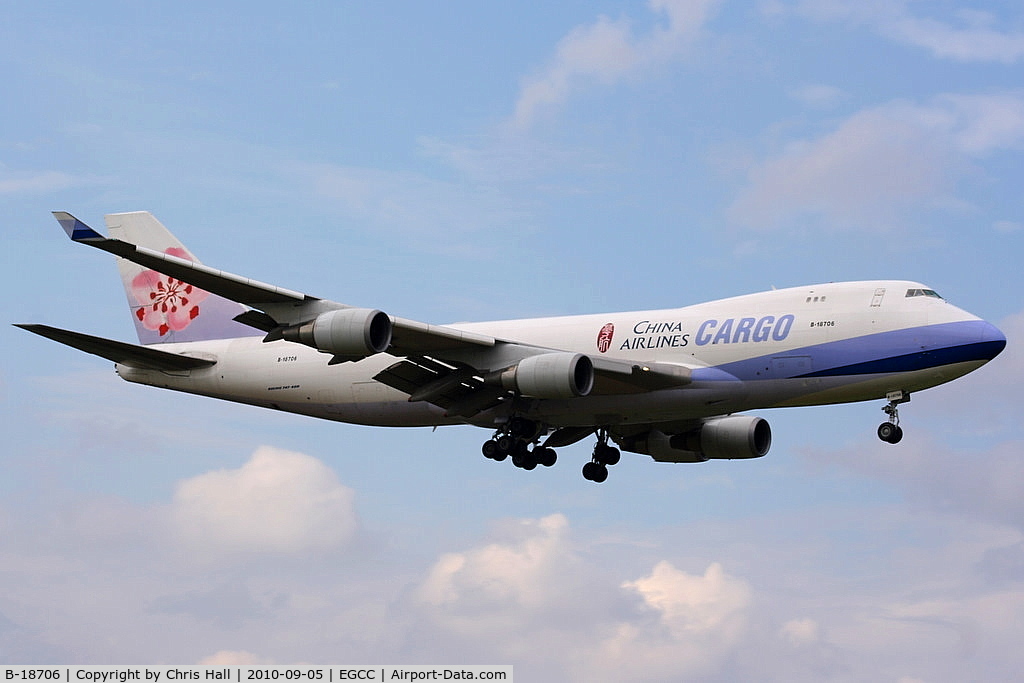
923	292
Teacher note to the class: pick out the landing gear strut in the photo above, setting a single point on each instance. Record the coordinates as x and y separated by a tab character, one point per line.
604	455
519	439
891	432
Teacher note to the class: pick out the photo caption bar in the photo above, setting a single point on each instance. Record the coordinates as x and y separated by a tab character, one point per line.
252	674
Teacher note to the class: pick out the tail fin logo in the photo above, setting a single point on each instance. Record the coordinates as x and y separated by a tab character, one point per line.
164	303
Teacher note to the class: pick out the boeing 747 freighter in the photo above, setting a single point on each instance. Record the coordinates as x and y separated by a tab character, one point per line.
671	384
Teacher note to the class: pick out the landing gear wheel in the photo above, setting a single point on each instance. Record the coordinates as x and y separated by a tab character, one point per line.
606	455
595	471
490	449
506	444
885	431
890	433
545	456
524	461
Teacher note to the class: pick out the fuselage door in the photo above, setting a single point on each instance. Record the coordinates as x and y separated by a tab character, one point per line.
876	300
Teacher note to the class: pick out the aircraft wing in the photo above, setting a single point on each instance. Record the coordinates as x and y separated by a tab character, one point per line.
276	306
455	369
240	289
464	391
120	352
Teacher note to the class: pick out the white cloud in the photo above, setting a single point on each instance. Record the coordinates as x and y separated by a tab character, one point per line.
879	163
800	632
693	604
278	502
817	95
698	621
963	36
976	43
864	172
983	124
502	586
606	52
35	183
530	595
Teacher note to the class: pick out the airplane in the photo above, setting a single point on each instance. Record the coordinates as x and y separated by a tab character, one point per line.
671	384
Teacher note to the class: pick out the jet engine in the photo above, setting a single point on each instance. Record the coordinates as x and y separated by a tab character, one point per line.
723	438
548	375
348	333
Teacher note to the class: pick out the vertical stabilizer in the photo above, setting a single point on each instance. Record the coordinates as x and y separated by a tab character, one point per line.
165	309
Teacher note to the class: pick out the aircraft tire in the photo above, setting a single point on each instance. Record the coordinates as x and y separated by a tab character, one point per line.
607	455
887	432
545	456
524	461
595	471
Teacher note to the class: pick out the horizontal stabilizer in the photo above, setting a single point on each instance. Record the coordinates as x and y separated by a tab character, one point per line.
120	352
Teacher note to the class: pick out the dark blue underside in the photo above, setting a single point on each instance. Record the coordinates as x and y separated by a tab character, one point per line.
980	351
906	350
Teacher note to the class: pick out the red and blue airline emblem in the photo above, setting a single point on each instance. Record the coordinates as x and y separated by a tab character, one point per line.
604	337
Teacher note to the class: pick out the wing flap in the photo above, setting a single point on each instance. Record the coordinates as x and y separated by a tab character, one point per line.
456	388
120	352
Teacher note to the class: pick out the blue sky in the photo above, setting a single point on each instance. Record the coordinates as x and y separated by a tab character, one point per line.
474	161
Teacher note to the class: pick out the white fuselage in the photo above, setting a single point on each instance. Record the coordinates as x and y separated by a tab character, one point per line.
829	343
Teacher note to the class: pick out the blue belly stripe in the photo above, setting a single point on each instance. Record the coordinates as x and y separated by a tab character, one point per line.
917	361
906	350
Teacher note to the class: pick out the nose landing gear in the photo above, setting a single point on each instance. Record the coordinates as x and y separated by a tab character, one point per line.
891	432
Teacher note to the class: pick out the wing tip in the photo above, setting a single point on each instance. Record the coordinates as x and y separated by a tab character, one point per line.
76	229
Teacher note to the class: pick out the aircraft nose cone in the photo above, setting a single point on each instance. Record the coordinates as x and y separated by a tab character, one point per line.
992	341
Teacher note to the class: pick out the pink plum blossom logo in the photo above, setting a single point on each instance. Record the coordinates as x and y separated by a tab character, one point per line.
166	303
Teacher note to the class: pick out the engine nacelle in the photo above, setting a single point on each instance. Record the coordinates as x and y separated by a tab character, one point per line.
348	333
729	438
548	375
724	438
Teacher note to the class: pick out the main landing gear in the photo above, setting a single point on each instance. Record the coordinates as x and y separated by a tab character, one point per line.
604	455
891	432
518	439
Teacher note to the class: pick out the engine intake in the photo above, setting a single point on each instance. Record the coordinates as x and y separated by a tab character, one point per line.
548	375
724	438
348	333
